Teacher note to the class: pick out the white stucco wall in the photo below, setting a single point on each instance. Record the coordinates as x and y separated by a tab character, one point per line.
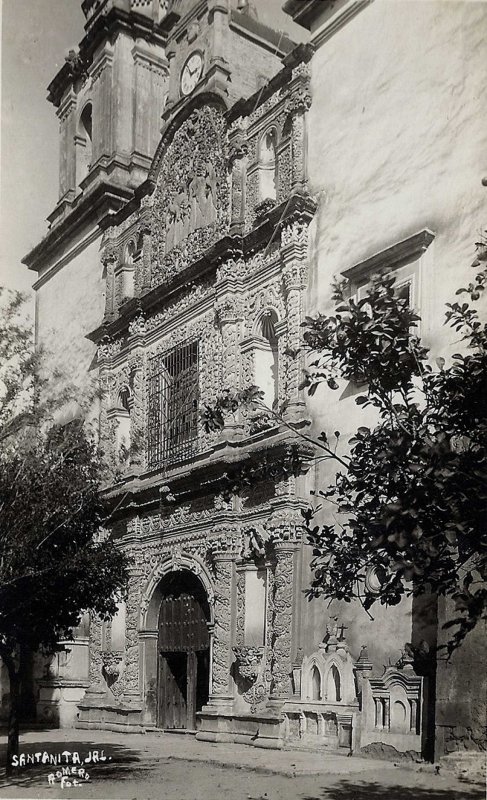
70	304
397	142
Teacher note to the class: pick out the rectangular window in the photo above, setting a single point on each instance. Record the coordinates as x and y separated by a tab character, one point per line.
173	405
403	260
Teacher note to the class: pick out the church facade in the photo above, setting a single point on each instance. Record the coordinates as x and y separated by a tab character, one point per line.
207	198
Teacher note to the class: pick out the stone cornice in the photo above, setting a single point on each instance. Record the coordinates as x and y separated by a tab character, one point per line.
392	257
333	15
304	12
301	206
90	209
277	42
206	472
301	54
105	27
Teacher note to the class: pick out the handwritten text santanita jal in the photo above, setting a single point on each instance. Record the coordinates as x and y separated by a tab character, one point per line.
57	759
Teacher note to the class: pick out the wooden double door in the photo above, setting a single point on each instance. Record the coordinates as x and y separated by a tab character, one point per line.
184	656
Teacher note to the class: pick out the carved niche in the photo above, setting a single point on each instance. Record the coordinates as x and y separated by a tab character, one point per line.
392	707
191	199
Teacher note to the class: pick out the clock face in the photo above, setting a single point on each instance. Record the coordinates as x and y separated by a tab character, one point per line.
191	73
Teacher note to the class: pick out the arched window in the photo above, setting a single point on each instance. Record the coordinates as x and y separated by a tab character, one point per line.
266	361
268	166
315	683
333	687
84	143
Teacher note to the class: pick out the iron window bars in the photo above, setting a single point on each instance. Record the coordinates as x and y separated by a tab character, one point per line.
173	405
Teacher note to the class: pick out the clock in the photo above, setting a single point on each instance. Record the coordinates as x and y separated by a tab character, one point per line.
191	73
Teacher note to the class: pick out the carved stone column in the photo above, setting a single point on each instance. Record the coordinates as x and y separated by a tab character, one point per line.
222	636
143	279
282	655
294	246
96	683
297	106
238	160
229	313
104	422
109	260
137	412
131	694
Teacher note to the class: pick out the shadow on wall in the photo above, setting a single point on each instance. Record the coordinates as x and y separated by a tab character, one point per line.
349	790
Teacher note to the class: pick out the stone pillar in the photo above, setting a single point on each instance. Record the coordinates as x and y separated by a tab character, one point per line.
104	102
294	246
222	653
238	160
229	312
137	412
131	694
105	440
143	272
67	156
93	701
109	259
297	106
150	86
282	651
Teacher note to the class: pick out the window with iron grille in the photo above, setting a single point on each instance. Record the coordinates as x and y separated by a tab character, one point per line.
173	405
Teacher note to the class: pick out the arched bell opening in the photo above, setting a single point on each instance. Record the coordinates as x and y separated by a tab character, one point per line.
183	650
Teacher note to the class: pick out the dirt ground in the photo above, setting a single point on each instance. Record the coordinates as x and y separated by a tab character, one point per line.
167	767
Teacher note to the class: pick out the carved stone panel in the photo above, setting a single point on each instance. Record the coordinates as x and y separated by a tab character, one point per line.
191	200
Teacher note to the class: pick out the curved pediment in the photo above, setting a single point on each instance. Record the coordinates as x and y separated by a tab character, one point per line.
190	204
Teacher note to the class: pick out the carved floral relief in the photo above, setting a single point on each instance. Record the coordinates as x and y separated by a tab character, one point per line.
191	200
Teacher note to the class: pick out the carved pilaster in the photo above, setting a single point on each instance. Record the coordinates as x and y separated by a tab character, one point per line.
105	438
297	105
109	260
240	623
137	416
230	314
131	675
294	277
222	653
282	661
238	160
96	683
222	641
143	280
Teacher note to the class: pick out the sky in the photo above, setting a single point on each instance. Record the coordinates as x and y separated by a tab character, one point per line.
36	35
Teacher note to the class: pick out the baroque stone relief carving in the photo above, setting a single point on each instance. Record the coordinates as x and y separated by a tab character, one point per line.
191	198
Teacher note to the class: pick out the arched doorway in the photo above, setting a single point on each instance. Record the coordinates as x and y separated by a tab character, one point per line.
183	651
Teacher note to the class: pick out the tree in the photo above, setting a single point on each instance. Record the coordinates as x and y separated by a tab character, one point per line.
410	493
54	564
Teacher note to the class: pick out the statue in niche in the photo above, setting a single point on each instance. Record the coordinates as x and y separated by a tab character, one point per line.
201	191
191	201
177	219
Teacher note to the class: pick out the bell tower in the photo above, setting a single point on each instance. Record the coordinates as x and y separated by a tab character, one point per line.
109	96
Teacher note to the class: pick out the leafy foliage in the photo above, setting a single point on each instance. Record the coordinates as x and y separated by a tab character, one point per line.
54	564
411	493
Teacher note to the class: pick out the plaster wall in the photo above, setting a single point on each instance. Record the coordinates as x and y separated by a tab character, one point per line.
69	305
397	142
403	148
